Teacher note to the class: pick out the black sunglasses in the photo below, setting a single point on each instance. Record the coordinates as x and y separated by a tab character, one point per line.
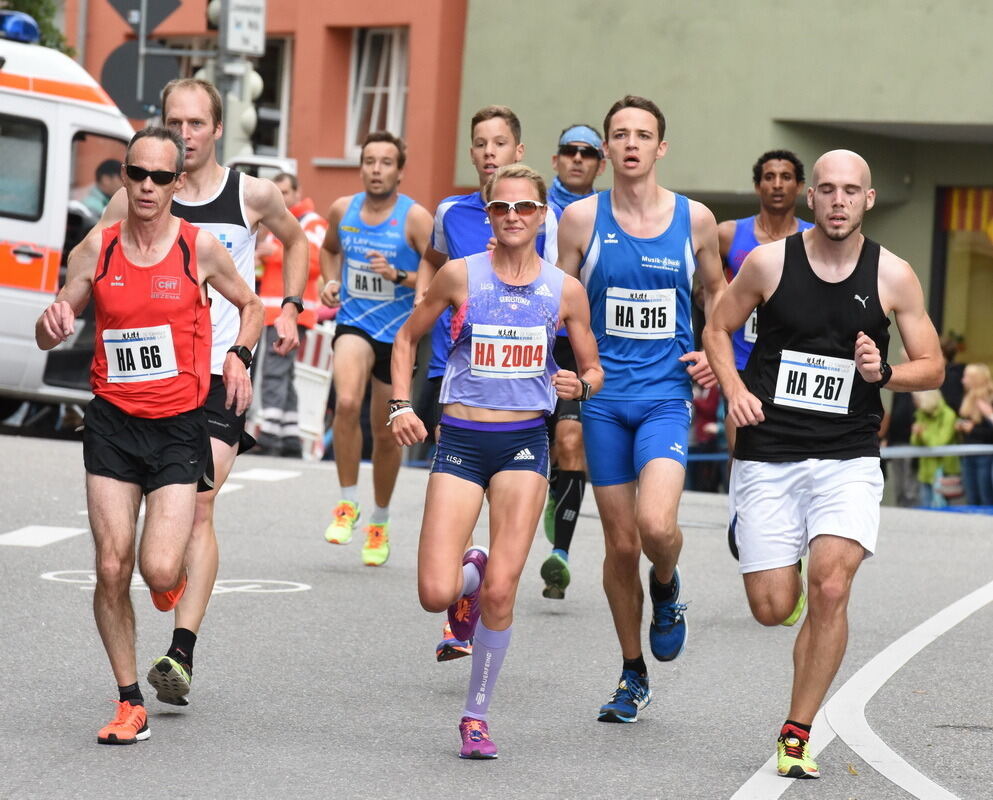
160	177
584	150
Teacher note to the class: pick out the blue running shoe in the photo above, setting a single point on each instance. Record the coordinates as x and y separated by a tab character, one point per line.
631	695
667	633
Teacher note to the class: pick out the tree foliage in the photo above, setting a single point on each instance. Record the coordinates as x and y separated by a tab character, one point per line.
44	13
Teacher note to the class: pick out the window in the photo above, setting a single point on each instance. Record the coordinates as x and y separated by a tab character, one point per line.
22	179
378	91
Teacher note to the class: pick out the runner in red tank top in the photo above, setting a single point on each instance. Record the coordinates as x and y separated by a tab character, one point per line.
146	433
152	353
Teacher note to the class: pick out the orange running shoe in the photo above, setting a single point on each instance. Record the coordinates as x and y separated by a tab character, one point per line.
449	647
129	726
166	601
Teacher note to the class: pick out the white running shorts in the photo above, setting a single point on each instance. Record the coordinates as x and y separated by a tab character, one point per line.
777	509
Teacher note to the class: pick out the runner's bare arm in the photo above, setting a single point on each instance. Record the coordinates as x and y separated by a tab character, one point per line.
419	224
725	235
331	258
575	230
449	288
265	200
217	269
431	262
711	275
575	313
755	281
58	322
900	292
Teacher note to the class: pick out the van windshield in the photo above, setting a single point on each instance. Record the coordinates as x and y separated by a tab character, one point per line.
22	179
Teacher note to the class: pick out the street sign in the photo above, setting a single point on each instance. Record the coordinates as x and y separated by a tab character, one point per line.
155	10
244	27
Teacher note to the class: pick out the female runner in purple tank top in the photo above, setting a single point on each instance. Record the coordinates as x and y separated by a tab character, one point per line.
499	385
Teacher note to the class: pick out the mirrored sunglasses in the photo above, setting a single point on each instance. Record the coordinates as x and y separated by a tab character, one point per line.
523	208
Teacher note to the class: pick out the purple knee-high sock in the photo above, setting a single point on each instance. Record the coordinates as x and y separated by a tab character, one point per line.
488	651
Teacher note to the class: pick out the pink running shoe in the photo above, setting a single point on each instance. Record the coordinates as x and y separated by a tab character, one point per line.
476	742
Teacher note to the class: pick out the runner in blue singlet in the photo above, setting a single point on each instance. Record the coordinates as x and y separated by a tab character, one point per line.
369	261
636	248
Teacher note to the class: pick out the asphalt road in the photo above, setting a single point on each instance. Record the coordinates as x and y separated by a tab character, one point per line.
315	676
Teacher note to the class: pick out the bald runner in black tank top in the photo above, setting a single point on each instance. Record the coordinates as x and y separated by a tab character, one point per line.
810	316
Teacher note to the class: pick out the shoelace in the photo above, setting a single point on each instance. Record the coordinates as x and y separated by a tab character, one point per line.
475	730
793	750
343	512
126	714
376	534
670	613
626	690
462	609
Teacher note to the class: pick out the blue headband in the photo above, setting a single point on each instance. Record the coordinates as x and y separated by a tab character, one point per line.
581	133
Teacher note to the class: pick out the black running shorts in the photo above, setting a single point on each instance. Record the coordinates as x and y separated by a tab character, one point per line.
149	452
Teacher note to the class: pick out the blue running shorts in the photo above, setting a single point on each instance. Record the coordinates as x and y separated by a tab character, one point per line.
476	451
621	436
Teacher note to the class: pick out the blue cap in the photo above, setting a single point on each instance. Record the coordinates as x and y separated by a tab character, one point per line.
582	133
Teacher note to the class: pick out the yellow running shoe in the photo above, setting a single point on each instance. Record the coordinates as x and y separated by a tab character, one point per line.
377	545
801	601
793	760
346	514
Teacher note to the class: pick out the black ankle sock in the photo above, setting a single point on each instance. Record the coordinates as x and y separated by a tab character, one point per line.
571	487
181	650
131	694
659	591
800	725
637	664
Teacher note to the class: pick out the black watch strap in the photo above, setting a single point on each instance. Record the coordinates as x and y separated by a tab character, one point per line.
401	277
295	299
887	372
243	353
587	390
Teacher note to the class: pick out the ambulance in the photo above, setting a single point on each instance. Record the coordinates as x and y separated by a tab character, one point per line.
57	125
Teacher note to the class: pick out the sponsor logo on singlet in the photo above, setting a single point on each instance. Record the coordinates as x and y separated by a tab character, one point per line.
165	287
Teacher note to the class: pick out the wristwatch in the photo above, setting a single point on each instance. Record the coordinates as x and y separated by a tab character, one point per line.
243	353
295	299
584	395
401	277
887	372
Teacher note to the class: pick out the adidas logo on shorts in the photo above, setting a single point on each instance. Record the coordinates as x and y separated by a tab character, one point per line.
524	455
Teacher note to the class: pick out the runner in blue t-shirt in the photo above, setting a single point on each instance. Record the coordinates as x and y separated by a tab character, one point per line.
374	242
461	228
778	178
636	248
577	162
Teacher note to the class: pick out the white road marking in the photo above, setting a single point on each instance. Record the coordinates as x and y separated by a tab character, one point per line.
262	474
227	488
845	711
39	535
87	579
